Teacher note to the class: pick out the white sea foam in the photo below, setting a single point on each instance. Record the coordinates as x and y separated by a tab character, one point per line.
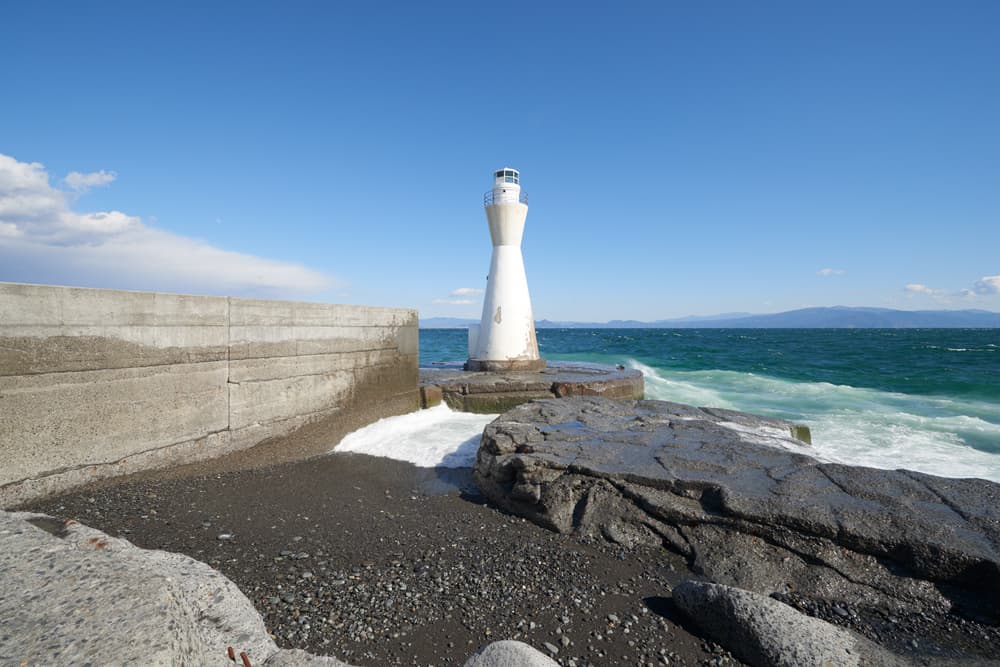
768	436
672	389
436	437
853	425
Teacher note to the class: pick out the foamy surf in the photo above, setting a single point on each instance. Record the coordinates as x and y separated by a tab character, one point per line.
436	437
852	425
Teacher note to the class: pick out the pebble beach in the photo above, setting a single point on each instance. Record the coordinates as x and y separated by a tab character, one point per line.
377	561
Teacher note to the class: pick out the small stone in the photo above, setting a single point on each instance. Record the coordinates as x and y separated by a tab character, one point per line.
224	537
551	648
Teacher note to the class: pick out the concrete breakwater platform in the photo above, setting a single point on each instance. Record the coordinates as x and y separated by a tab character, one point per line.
496	392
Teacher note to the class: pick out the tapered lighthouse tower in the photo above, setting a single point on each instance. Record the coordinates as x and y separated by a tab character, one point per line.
505	337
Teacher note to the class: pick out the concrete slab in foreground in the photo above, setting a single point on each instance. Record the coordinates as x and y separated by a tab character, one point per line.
493	392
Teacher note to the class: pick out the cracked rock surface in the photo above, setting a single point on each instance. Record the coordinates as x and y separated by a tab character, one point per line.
742	500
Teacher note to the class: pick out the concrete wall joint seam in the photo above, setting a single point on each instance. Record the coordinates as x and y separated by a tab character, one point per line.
113	462
95	357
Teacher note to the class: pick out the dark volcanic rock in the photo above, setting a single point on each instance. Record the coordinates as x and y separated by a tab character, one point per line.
740	498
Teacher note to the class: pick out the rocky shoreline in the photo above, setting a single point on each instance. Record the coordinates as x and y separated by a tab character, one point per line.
907	560
376	561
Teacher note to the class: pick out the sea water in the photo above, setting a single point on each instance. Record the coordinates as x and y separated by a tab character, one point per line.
921	399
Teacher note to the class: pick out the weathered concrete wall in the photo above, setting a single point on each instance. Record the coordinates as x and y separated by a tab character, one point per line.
95	383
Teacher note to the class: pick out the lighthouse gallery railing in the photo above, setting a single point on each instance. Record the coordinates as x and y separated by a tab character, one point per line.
488	198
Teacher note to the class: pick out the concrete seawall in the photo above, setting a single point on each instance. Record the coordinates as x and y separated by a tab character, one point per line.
96	383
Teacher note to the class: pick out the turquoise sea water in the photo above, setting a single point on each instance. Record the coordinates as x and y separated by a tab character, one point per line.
923	399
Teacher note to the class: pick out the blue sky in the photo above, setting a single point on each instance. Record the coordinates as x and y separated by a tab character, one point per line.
680	158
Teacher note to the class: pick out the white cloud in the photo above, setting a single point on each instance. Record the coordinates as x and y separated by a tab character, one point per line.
42	239
987	285
454	302
917	288
984	288
830	272
459	297
83	182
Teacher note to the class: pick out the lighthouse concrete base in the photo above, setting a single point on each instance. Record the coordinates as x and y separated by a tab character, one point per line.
493	392
503	366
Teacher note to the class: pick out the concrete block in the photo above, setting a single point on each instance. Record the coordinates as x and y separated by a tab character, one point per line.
271	368
101	382
64	420
51	482
497	403
55	329
408	340
48	305
262	313
253	402
258	342
430	395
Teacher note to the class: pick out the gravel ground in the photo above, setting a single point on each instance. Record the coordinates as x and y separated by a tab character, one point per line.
379	562
926	636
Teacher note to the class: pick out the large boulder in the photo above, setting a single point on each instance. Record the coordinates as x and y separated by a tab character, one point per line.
72	595
767	633
740	497
509	653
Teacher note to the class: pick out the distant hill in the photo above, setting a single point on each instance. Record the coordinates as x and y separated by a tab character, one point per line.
445	323
842	317
700	321
836	317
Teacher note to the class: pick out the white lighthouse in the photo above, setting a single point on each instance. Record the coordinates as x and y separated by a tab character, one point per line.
505	338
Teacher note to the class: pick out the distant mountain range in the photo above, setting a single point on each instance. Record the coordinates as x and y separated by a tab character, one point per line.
837	317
